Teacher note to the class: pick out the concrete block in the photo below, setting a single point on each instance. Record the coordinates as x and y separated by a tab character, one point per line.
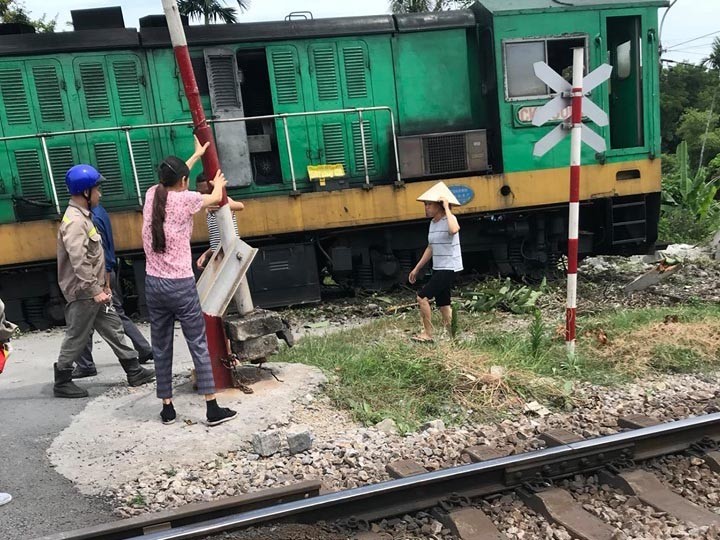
255	324
256	348
267	443
299	439
387	426
434	424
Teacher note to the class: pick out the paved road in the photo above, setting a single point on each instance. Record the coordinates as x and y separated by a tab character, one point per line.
44	502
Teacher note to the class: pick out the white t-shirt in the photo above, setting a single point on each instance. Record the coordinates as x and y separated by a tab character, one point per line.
446	253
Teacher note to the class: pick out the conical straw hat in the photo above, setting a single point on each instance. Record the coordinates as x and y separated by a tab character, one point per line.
439	190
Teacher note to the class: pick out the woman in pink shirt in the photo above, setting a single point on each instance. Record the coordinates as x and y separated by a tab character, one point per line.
170	288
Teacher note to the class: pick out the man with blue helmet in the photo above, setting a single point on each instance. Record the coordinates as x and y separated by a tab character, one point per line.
82	280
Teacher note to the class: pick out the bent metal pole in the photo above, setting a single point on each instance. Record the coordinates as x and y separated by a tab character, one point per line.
574	207
217	341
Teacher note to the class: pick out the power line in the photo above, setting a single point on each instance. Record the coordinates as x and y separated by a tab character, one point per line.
697	46
695	39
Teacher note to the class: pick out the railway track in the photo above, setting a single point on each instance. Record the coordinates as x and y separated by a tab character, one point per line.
448	493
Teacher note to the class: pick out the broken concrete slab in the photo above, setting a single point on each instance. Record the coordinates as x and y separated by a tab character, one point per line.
255	348
255	324
648	279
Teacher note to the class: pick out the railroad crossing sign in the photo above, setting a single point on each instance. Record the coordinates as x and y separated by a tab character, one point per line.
563	100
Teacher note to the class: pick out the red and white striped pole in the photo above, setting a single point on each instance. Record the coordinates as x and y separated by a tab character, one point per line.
574	210
214	330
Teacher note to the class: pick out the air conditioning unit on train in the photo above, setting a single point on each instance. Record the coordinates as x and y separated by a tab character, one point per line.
443	153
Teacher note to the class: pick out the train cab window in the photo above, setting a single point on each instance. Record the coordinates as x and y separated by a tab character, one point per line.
624	47
520	79
198	65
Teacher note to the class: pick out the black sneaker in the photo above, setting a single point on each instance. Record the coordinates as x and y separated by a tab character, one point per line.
145	358
167	415
220	415
80	373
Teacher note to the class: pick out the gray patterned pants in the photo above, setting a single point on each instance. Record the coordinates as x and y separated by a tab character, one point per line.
86	361
169	300
81	317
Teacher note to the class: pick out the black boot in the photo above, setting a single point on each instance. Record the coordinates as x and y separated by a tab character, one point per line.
137	375
64	387
80	373
216	414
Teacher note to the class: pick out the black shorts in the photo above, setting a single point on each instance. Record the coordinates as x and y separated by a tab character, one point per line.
439	287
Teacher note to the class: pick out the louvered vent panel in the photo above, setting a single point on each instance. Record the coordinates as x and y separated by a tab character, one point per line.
127	80
144	163
326	74
108	163
96	91
284	72
355	72
223	83
32	180
357	146
47	89
446	153
14	96
61	159
334	144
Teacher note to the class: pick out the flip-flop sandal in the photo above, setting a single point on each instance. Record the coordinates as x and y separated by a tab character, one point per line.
419	339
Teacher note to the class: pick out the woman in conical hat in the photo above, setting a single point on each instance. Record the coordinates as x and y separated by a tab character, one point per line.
444	250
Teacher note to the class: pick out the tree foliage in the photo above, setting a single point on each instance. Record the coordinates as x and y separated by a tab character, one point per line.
210	11
14	11
423	6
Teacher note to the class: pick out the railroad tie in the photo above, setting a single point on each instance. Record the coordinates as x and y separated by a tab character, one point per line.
559	437
483	452
646	487
712	459
471	524
637	421
559	507
369	535
403	468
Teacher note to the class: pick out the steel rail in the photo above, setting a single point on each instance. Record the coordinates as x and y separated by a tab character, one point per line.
397	497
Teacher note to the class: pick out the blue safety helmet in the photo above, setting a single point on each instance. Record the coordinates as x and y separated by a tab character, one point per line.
82	177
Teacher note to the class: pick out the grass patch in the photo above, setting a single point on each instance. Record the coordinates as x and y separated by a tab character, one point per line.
497	361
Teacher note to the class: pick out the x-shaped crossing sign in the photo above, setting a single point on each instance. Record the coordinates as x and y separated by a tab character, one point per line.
562	100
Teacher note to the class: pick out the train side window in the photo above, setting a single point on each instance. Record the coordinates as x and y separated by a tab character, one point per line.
520	79
519	60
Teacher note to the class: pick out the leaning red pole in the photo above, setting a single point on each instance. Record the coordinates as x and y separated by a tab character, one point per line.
214	330
574	206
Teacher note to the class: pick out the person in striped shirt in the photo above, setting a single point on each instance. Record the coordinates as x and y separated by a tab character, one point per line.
444	250
205	187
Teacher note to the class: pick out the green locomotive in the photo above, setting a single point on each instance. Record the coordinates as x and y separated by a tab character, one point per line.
388	104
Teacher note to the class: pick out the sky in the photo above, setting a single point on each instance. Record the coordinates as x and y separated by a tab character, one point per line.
686	20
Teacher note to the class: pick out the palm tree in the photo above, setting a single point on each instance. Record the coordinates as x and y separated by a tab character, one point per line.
211	10
713	61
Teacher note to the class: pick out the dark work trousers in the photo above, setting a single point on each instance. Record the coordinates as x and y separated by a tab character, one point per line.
85	361
169	300
81	317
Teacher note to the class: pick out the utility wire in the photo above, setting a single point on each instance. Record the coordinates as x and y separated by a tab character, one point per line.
695	39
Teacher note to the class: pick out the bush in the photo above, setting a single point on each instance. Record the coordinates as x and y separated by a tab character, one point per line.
679	224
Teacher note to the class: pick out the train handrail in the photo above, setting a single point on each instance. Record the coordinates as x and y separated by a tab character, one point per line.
43	136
